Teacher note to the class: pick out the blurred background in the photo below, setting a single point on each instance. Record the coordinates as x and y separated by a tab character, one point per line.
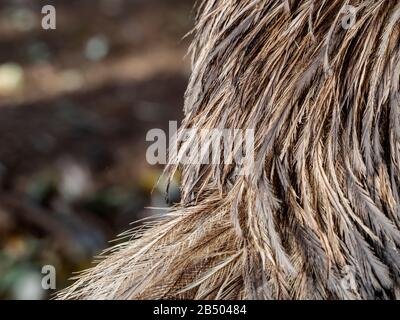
75	106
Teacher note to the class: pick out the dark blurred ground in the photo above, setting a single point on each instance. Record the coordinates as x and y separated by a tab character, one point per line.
75	106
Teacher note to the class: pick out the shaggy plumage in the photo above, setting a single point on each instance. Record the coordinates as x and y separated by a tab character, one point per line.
319	215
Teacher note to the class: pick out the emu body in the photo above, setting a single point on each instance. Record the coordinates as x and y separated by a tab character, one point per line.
318	217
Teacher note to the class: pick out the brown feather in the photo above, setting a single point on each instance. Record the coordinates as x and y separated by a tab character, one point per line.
319	216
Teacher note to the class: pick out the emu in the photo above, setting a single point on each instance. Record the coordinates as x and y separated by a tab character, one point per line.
318	216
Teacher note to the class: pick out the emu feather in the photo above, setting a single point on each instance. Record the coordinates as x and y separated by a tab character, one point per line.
319	216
